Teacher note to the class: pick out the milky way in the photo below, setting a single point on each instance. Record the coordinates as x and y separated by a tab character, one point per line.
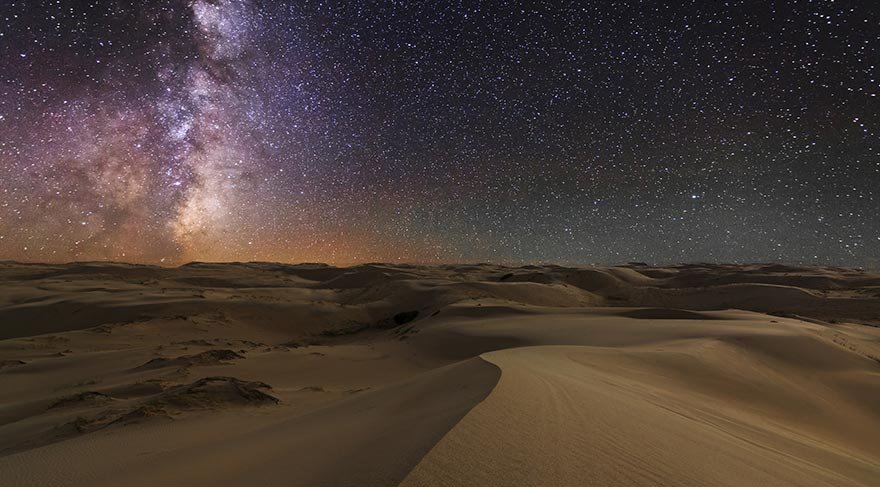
571	132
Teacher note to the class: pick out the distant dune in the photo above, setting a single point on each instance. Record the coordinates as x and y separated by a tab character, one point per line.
269	374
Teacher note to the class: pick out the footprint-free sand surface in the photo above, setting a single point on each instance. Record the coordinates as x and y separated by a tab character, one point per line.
268	374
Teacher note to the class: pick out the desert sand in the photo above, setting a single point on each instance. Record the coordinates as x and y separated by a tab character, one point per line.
269	374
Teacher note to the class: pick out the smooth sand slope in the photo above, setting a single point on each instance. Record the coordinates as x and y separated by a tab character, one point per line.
268	374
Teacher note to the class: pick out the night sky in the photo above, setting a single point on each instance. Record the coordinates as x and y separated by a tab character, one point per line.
165	131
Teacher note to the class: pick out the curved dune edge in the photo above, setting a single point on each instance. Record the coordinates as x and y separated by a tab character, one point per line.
374	438
695	413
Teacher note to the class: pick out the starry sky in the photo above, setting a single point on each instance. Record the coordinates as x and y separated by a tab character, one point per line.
166	131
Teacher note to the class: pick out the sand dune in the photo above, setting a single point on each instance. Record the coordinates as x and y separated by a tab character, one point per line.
699	412
271	374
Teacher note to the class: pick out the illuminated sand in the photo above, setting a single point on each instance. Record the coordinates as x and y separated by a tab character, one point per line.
240	374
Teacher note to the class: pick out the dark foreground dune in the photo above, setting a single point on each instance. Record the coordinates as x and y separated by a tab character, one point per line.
269	374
